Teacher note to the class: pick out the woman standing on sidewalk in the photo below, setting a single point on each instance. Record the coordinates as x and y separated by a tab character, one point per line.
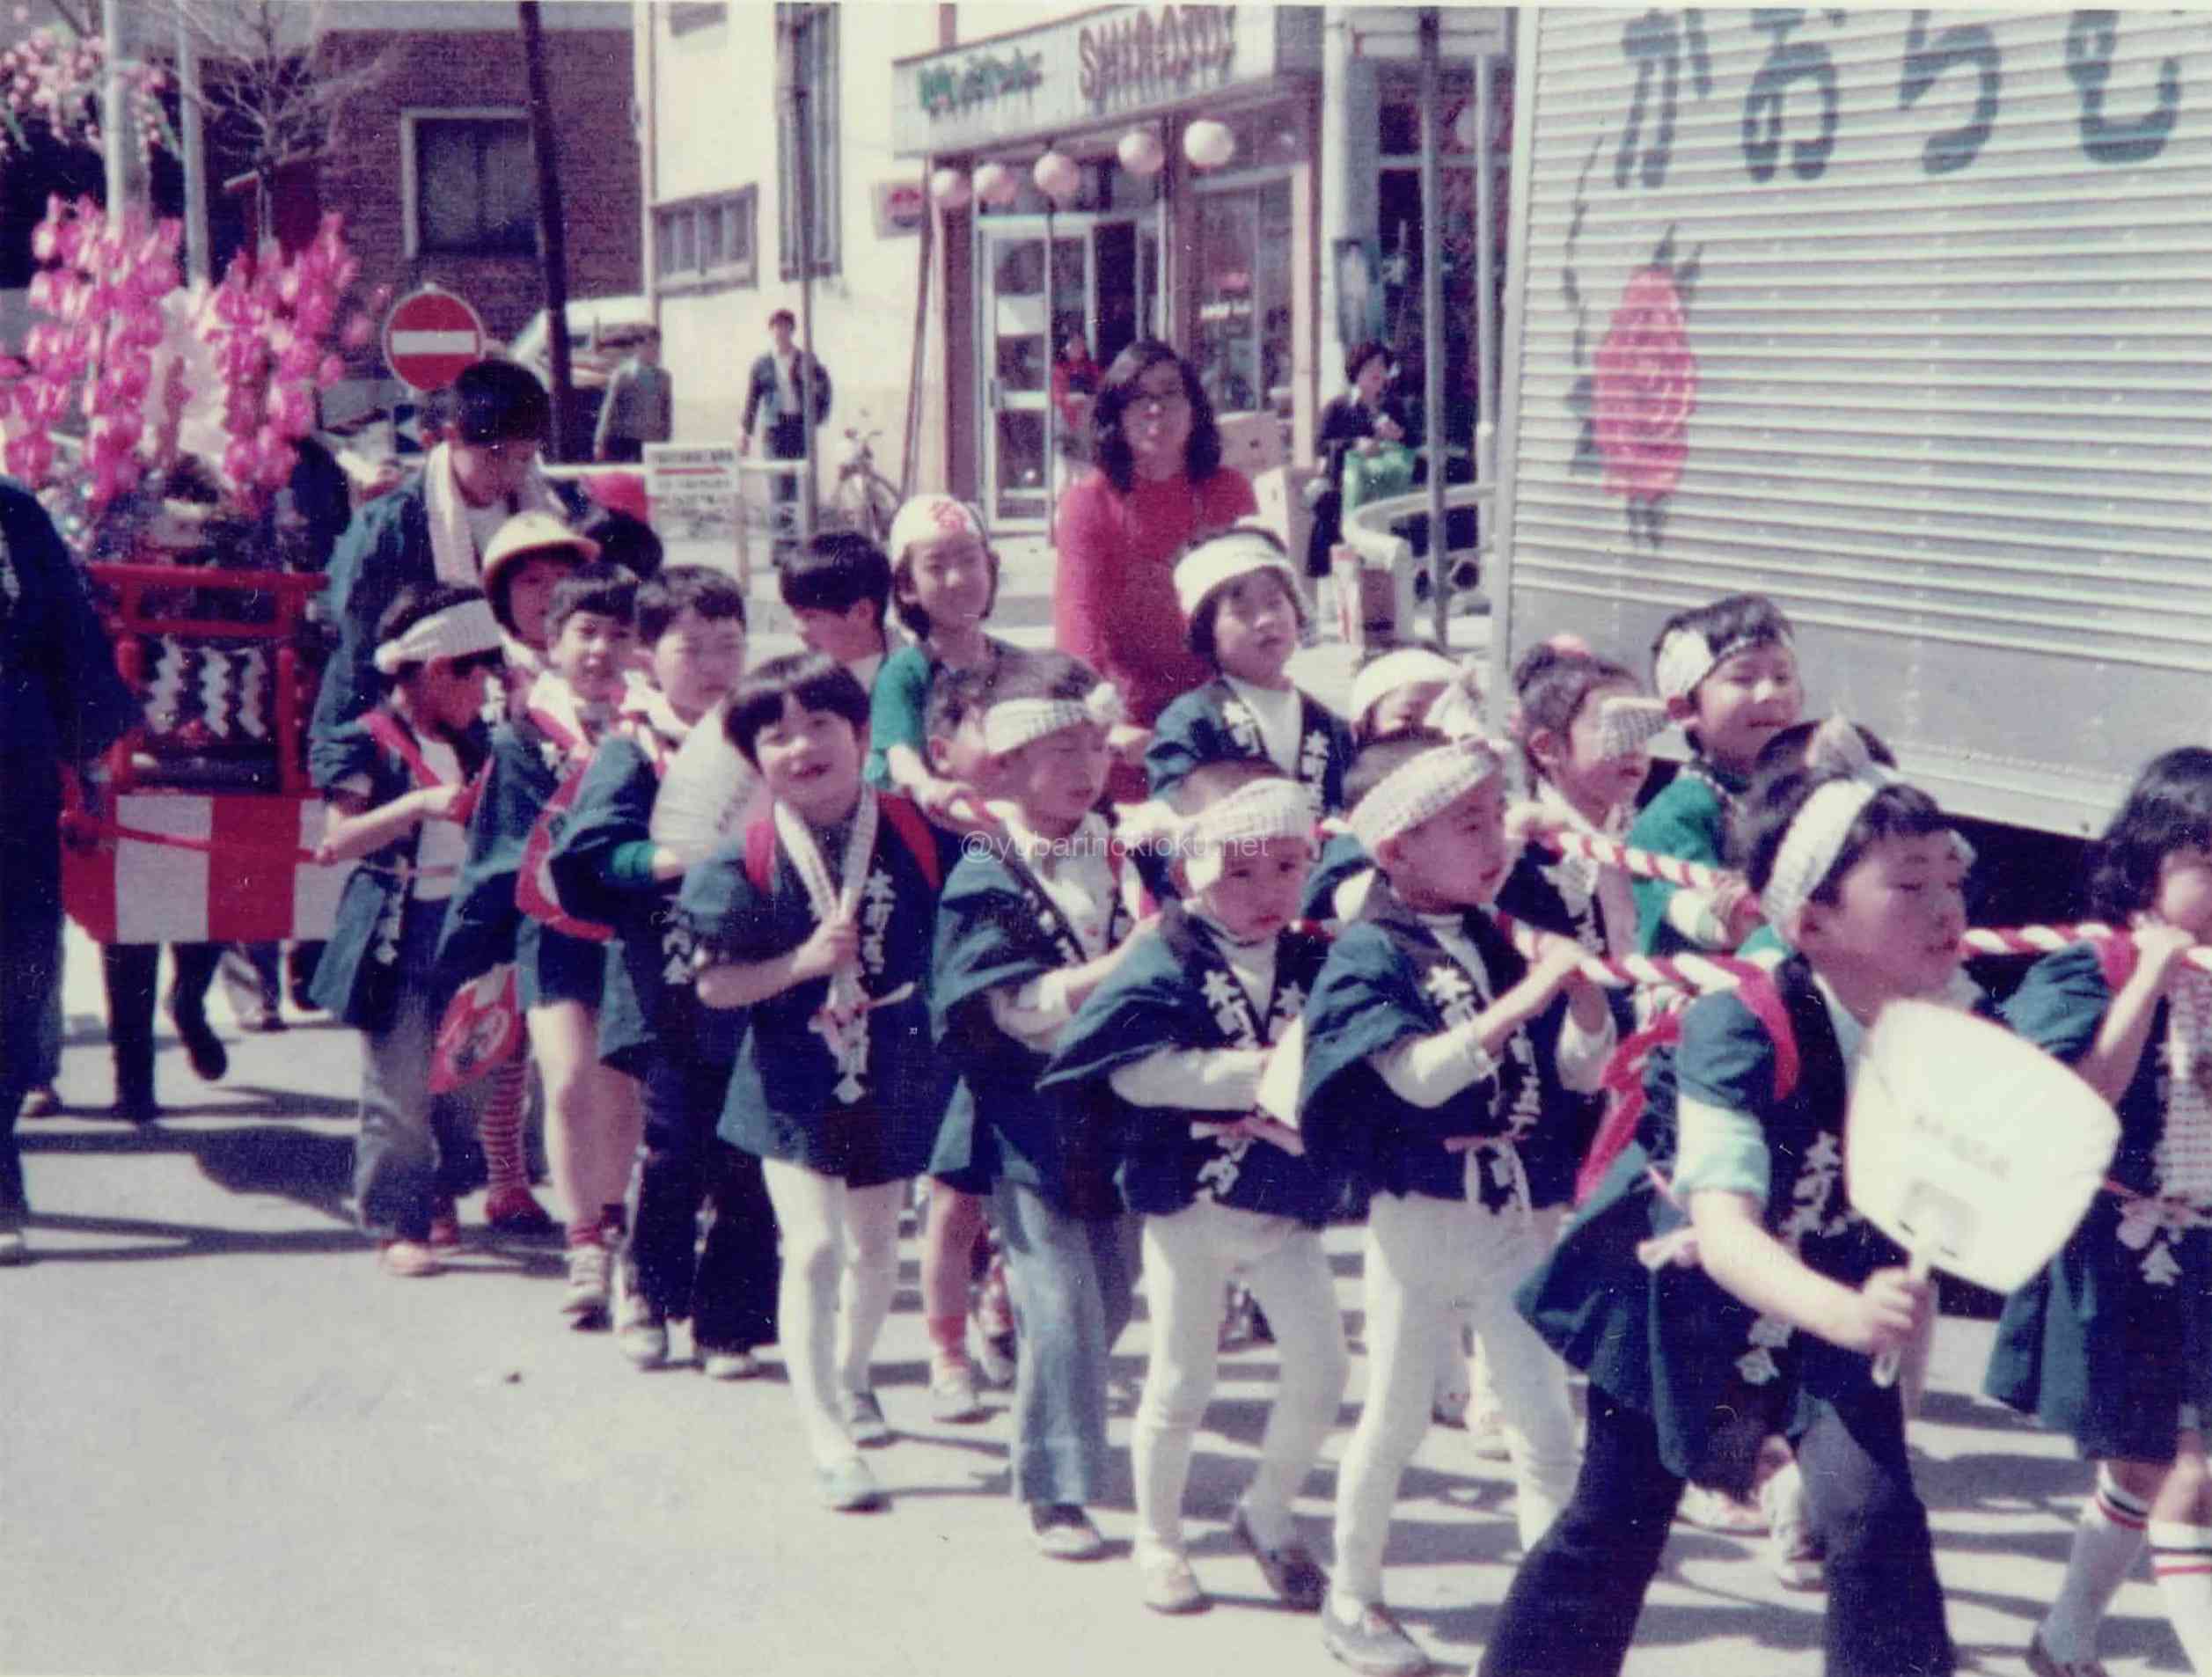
1158	485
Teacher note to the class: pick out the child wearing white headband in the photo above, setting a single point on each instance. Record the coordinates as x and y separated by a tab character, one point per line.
399	780
1242	612
944	582
1774	1325
1441	1073
1179	1035
1729	675
1032	920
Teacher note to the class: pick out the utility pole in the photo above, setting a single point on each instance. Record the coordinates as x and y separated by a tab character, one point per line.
1433	338
126	186
551	230
792	63
198	261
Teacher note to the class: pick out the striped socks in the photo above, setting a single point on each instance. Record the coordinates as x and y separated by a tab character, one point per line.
499	1127
2106	1540
2181	1555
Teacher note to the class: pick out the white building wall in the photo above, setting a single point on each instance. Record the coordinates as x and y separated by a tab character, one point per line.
714	114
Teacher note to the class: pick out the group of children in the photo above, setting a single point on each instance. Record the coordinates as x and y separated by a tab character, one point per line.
784	946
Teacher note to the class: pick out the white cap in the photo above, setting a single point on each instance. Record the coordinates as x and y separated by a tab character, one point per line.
1233	553
925	517
535	531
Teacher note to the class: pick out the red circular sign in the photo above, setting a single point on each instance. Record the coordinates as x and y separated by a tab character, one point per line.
430	336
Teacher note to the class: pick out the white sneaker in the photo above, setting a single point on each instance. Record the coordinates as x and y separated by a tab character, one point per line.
642	1332
13	1248
729	1365
1791	1554
586	1298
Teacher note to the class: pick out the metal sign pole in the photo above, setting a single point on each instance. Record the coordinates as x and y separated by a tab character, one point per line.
1432	325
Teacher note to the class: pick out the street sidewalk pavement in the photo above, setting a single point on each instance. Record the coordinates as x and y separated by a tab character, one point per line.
228	1444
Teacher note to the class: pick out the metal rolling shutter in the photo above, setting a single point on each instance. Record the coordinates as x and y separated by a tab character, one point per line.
1954	413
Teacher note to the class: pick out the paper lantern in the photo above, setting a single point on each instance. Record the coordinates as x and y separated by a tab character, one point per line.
996	184
1057	176
1209	144
1140	152
949	188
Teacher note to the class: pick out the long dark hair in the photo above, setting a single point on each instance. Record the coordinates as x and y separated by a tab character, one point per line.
1201	455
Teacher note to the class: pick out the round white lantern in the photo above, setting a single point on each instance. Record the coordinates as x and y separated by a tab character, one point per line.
996	184
949	188
1140	152
1209	144
1057	176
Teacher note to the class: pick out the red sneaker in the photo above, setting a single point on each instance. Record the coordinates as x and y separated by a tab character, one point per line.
515	1211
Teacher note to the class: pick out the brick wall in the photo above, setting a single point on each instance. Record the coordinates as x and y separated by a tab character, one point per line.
589	76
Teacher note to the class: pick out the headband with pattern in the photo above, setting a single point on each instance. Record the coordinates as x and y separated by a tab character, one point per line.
1251	816
1012	723
460	629
1823	823
1421	789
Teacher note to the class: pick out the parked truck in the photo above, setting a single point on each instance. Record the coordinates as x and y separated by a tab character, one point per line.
1903	318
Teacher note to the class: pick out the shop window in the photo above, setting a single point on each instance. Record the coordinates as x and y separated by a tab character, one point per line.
474	183
708	241
1244	298
810	35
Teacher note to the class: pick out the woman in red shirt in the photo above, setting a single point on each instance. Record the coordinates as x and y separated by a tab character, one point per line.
1159	482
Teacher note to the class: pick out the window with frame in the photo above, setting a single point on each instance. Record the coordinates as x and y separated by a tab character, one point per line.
808	33
708	241
475	185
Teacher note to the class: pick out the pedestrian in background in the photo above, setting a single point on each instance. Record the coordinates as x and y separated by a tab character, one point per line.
640	405
776	392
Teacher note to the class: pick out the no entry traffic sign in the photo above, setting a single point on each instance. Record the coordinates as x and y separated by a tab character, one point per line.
430	336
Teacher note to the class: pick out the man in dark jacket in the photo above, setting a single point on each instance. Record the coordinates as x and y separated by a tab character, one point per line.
779	378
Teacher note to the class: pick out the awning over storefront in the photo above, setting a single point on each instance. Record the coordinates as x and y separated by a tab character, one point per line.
1105	65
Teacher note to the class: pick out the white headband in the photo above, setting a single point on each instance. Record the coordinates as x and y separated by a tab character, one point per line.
1234	553
1255	813
1685	657
1626	725
1823	823
455	632
1457	712
1014	722
1404	668
1421	789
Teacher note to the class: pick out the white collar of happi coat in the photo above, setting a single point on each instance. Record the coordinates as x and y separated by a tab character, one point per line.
1850	1035
1558	810
574	726
1277	713
453	556
1048	857
646	712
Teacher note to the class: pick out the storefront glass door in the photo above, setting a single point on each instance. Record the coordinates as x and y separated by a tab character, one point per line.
1103	283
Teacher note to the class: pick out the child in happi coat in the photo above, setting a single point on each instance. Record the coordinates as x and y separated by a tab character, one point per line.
837	588
1440	1067
944	580
954	1224
593	1115
1242	612
1747	1297
2112	1342
816	925
1030	926
1392	691
1180	1032
1729	675
526	559
605	867
399	778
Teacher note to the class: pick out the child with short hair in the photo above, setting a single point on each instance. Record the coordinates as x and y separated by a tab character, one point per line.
397	780
944	580
1439	1065
1772	1321
837	588
2110	1344
815	924
1030	926
606	868
1181	1033
1242	612
592	1112
1728	673
954	1221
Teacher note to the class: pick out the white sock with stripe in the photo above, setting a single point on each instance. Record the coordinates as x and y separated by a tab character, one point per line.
2181	1555
2107	1542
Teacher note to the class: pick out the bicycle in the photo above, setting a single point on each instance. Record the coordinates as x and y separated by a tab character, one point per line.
864	500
